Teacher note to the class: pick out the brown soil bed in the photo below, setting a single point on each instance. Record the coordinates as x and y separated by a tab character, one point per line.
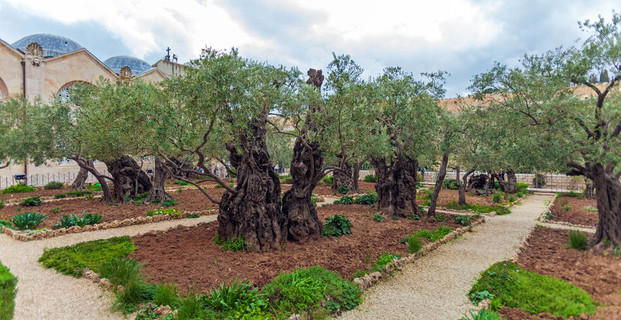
188	256
189	200
327	190
598	275
38	192
577	213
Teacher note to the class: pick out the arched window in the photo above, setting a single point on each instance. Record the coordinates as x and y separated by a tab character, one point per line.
63	95
4	93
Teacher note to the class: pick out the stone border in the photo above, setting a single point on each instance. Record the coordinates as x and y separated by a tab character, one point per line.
366	282
25	236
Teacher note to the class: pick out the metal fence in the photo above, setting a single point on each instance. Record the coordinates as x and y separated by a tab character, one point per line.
553	182
39	180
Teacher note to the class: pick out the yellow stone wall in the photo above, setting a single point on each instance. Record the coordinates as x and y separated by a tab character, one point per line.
10	71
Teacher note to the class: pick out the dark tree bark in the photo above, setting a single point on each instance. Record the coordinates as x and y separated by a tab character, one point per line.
101	178
128	178
489	188
356	177
253	211
160	174
80	180
608	194
436	191
306	170
511	185
396	186
463	186
589	190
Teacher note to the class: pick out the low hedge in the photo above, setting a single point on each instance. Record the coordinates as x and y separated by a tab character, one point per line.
8	282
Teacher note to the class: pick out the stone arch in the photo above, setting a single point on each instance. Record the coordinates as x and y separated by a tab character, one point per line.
4	92
62	95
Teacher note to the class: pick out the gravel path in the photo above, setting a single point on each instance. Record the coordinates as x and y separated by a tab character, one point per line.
435	286
46	294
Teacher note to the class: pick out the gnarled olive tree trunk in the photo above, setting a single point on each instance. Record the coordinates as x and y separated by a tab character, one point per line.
463	186
436	190
160	174
396	186
608	194
79	183
253	211
347	177
101	178
128	178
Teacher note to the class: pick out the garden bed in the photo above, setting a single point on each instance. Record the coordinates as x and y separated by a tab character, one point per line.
581	212
546	253
190	257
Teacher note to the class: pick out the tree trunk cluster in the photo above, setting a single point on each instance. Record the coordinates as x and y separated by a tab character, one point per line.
396	186
436	190
608	197
464	186
160	174
128	178
347	177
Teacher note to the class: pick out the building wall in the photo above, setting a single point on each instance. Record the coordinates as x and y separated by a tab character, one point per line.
10	71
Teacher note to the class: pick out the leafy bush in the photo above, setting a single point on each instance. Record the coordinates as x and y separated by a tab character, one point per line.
238	298
414	244
483	314
166	294
125	272
19	188
286	180
450	184
497	197
8	282
345	200
577	240
440	218
433	236
549	215
381	262
190	307
427	194
566	207
54	185
539	180
60	196
342	189
5	223
370	178
337	226
32	201
169	202
463	220
28	220
368	199
521	187
181	183
164	212
92	254
71	220
303	290
378	217
95	187
327	180
511	199
512	286
235	244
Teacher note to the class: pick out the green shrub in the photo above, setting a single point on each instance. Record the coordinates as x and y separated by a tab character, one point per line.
521	187
345	200
368	199
337	226
5	223
92	254
8	283
381	262
32	201
166	294
303	290
427	203
549	215
370	178
539	180
181	183
342	189
169	202
1	203
577	240
512	286
433	236
414	244
19	188
286	180
28	220
54	185
235	244
483	314
497	197
164	212
427	195
463	220
95	187
440	218
511	199
71	220
238	298
566	207
327	180
378	217
450	184
500	210
194	215
60	196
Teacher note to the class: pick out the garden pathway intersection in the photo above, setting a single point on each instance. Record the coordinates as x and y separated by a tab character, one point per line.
433	287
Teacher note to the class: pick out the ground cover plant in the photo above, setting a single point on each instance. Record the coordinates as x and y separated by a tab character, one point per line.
54	185
67	221
508	285
32	201
18	188
8	284
500	210
28	220
337	226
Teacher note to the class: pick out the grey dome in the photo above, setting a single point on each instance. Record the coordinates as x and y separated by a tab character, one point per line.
52	45
138	66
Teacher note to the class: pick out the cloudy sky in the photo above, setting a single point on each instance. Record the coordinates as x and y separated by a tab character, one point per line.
462	37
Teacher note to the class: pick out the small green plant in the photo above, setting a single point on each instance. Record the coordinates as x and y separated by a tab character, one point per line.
368	199
68	221
342	189
345	200
169	202
337	226
414	244
577	240
511	199
235	298
55	210
32	202
235	244
160	212
450	184
95	187
327	180
54	185
549	215
28	220
463	220
381	262
60	196
378	217
440	218
521	187
8	284
19	188
194	215
436	235
483	314
566	207
497	197
1	204
166	294
413	217
479	296
181	183
427	203
370	178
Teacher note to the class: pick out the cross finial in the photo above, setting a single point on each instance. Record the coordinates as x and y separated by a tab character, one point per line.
167	58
